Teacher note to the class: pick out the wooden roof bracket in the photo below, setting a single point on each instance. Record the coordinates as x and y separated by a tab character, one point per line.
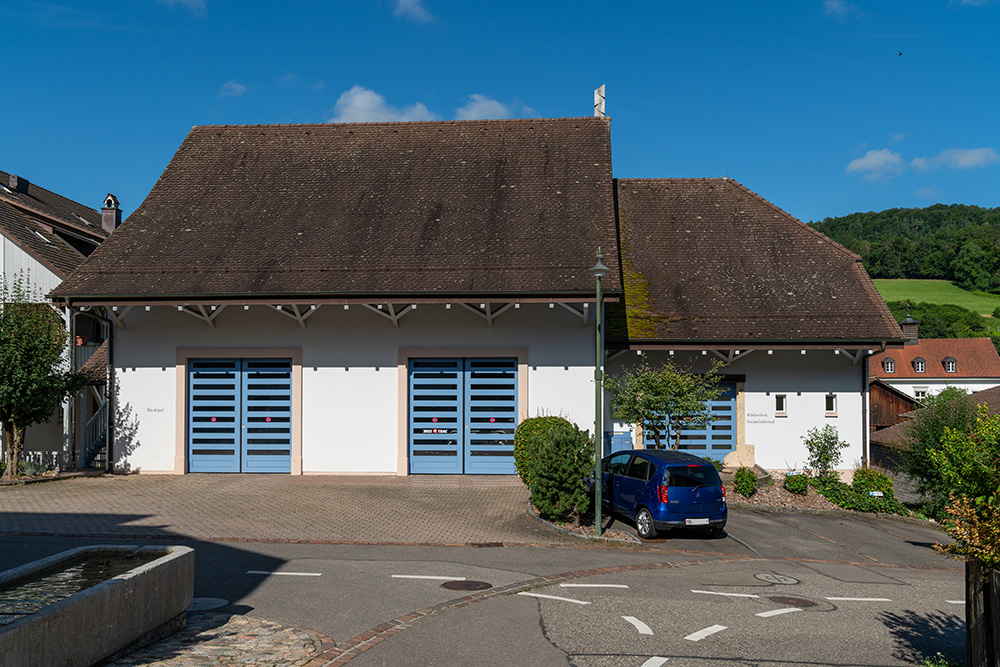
584	315
729	356
119	318
857	356
389	312
486	311
297	314
206	316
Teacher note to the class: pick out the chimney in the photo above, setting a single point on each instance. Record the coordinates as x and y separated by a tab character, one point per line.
599	102
910	326
111	215
18	184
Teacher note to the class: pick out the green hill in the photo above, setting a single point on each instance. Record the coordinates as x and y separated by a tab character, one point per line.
955	243
937	292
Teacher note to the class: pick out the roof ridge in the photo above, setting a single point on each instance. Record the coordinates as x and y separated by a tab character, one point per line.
410	122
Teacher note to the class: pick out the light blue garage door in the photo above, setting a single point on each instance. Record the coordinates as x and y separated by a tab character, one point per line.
240	415
462	416
714	441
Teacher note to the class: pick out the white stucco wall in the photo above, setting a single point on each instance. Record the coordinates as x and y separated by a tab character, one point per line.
350	380
805	380
932	386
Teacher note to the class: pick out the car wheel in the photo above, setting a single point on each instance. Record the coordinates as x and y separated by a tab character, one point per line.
644	524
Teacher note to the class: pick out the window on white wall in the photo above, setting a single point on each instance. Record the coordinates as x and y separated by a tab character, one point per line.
780	405
920	392
831	405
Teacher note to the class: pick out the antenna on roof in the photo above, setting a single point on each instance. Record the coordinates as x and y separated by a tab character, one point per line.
599	102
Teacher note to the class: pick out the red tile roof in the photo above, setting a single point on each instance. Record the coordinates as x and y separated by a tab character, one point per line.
512	207
975	358
709	260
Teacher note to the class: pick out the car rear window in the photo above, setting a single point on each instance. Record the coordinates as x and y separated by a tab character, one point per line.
691	475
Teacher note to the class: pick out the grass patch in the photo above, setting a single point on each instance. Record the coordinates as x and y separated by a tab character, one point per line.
936	291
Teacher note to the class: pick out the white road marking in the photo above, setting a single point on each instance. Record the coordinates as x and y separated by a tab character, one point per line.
639	625
778	612
955	601
424	576
286	574
655	661
593	585
729	595
859	599
701	634
552	597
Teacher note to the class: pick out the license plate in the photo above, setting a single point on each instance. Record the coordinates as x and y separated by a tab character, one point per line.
696	522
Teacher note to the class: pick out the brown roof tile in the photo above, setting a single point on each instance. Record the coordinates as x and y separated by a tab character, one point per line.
709	260
468	207
39	221
974	357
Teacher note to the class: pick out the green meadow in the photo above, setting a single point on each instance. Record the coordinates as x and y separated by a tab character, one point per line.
936	291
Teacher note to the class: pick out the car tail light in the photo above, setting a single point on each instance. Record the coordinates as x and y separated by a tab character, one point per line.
661	492
723	493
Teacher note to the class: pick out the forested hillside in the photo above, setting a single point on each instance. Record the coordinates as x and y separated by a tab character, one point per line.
957	242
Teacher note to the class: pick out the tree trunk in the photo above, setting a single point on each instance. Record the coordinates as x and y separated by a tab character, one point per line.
14	440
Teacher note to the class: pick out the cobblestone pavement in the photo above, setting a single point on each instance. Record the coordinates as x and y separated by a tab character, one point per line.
347	509
438	510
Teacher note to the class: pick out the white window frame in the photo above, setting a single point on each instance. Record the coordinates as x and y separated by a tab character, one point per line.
780	405
950	366
920	393
889	366
830	403
920	366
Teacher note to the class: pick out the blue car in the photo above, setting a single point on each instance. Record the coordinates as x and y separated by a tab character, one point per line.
663	489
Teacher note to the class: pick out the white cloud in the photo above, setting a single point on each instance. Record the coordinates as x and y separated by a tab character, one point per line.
897	136
877	165
361	105
974	3
413	10
480	106
194	6
232	89
288	79
838	9
957	158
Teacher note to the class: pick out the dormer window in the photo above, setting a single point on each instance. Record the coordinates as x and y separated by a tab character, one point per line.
889	366
950	365
919	365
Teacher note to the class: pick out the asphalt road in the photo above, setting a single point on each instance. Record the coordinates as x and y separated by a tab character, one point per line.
907	607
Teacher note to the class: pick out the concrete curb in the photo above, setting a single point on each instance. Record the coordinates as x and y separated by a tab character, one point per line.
630	541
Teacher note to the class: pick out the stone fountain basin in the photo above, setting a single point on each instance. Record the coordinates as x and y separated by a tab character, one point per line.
143	603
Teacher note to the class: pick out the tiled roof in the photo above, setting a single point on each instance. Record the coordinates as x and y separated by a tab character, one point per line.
465	207
29	218
709	260
96	368
974	357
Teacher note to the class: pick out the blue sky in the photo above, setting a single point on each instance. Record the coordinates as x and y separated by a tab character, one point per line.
807	102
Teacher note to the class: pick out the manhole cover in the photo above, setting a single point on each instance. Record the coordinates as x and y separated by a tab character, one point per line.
466	585
776	578
793	602
205	604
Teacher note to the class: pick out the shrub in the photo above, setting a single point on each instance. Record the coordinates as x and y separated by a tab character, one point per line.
824	445
745	482
869	479
563	457
797	484
525	448
857	498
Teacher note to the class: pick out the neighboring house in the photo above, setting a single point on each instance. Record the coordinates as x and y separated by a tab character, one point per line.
43	238
393	298
712	271
888	405
927	365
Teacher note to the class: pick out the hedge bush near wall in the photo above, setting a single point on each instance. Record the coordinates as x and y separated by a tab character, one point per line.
797	484
858	496
526	447
745	482
563	457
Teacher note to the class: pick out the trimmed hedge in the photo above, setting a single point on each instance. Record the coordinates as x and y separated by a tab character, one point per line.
525	447
857	497
563	456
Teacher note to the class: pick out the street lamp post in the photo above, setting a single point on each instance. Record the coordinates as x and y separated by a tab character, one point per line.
599	271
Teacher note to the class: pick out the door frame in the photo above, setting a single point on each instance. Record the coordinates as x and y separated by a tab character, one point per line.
180	412
404	355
